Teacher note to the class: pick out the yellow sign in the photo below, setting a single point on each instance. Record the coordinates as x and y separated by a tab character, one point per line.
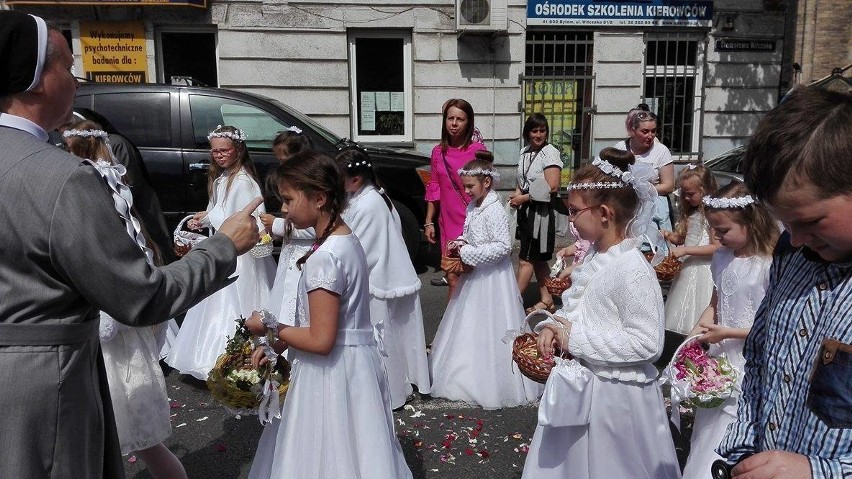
114	52
557	101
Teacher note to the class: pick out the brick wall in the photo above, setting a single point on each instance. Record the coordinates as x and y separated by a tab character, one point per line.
823	37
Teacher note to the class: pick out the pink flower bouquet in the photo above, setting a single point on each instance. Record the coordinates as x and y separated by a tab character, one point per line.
699	379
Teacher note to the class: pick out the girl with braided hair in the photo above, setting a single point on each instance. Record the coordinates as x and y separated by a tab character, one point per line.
337	405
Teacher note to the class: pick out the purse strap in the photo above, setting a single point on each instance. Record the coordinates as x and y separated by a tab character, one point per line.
452	178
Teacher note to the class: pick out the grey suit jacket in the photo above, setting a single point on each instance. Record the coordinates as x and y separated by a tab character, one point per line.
64	255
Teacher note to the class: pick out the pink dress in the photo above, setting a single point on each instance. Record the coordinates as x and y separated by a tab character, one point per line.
451	211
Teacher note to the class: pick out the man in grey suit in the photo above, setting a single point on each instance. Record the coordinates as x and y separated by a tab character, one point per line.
64	255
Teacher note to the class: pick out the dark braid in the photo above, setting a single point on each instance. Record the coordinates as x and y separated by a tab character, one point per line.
313	172
355	161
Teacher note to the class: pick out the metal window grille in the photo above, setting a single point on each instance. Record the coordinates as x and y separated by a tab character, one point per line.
558	82
671	88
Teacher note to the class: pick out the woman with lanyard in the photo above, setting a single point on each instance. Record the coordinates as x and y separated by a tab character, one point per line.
642	141
539	171
445	194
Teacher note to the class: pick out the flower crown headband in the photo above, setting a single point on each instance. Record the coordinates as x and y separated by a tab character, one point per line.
728	203
236	135
85	133
624	177
495	175
355	164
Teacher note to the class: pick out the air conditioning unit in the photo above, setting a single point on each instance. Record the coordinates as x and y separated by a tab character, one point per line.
481	16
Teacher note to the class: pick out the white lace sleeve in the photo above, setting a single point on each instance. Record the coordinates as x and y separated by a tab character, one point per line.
636	335
324	271
495	227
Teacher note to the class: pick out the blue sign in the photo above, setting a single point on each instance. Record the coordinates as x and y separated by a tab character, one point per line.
690	13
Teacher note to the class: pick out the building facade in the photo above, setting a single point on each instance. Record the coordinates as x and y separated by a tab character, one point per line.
380	72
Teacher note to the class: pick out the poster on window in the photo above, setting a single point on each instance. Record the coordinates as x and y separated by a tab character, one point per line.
557	101
645	13
114	52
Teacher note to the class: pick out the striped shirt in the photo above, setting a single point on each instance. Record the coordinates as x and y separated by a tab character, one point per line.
808	300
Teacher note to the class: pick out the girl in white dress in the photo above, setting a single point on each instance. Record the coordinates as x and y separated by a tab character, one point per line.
690	291
394	286
469	360
336	420
297	242
232	183
612	323
131	355
740	276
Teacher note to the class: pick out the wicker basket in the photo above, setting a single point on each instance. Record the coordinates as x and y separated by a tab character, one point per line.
229	394
453	264
526	356
185	240
668	268
556	286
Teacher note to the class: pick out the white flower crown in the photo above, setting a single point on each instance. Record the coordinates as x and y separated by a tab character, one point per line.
85	133
236	135
721	203
295	129
598	185
359	163
495	175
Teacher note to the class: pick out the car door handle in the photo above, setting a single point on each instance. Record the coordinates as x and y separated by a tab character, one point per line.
198	166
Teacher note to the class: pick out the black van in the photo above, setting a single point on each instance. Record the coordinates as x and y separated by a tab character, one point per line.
169	124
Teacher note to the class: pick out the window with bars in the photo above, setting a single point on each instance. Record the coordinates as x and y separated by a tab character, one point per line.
672	78
557	82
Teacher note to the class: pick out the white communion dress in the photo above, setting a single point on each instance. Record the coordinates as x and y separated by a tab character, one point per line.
208	324
131	355
615	307
469	360
394	293
740	285
692	288
336	420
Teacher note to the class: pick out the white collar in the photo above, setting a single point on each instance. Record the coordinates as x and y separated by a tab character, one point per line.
23	124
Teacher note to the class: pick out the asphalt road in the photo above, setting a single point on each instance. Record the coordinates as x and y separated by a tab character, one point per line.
441	439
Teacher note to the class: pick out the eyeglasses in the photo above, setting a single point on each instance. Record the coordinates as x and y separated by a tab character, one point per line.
221	151
573	214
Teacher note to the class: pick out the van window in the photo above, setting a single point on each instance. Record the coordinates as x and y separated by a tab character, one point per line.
144	118
208	112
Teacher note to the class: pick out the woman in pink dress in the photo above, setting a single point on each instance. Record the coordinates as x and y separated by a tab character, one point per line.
445	194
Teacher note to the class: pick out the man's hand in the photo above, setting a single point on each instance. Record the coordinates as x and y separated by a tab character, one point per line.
773	464
241	227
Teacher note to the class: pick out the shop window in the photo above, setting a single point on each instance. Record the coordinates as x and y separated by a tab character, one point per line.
187	58
672	71
380	72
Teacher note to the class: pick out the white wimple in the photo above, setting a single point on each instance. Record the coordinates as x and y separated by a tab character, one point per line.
739	202
86	133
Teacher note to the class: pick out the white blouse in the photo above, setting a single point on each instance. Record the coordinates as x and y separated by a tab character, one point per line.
615	306
486	231
532	164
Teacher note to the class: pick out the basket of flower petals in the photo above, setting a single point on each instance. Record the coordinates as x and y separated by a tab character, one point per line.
668	268
234	382
556	286
526	355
